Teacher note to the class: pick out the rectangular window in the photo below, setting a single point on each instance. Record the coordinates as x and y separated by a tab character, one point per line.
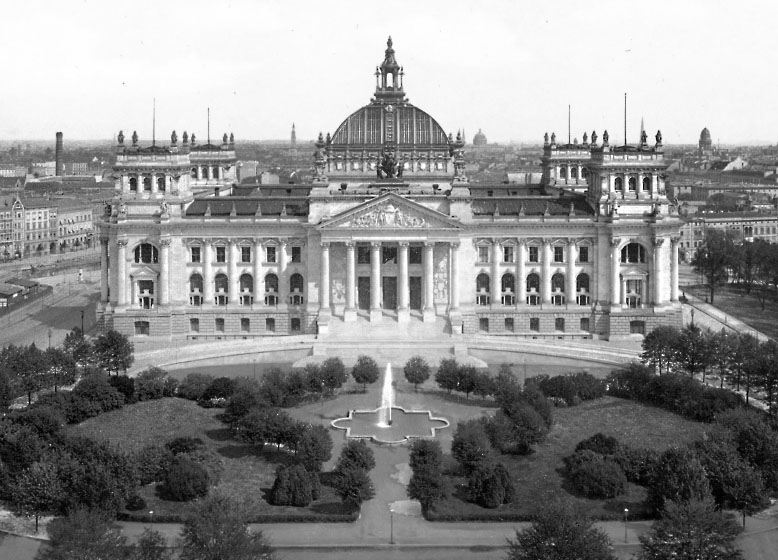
583	254
584	324
363	255
483	254
194	325
637	327
295	324
534	324
297	254
533	254
245	254
270	254
509	324
195	253
270	325
142	328
483	324
221	254
507	254
559	324
414	255
389	255
559	254
245	325
219	324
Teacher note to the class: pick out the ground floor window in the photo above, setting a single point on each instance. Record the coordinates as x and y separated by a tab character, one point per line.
559	324
534	324
219	324
483	324
194	325
585	324
270	325
296	324
245	325
142	328
637	327
509	324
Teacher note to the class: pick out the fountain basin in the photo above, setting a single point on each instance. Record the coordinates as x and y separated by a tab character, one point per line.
405	425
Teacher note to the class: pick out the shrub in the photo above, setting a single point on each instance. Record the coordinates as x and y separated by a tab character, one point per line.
184	445
679	476
470	445
96	389
315	447
490	485
46	421
637	463
515	434
135	503
126	386
333	374
152	462
220	388
240	404
185	480
293	486
595	476
80	409
194	385
356	454
600	443
207	459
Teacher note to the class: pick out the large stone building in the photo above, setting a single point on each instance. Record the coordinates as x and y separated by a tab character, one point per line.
391	230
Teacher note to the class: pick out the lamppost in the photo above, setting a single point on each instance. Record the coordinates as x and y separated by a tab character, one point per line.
50	333
626	513
391	527
82	321
151	517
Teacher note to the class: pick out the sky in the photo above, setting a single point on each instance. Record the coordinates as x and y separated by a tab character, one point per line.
89	68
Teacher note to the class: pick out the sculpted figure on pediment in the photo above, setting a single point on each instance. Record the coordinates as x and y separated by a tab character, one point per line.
388	216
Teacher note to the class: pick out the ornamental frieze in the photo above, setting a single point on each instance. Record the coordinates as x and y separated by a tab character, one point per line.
387	216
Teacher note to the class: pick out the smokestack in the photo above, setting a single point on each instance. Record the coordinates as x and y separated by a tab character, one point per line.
59	165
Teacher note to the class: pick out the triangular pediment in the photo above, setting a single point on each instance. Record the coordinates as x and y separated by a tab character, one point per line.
143	272
390	211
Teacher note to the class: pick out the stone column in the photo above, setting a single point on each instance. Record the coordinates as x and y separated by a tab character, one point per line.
545	277
639	186
324	287
199	173
154	189
570	274
283	280
208	287
259	279
164	273
103	270
495	286
658	272
122	271
429	282
233	287
674	269
615	269
350	313
521	272
375	281
453	282
404	308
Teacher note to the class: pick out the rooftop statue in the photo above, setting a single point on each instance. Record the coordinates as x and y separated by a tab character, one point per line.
388	167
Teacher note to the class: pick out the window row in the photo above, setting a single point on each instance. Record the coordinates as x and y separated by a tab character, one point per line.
508	289
632	183
143	327
533	254
145	184
534	324
246	289
196	254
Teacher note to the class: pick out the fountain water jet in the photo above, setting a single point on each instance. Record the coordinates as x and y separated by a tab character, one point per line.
387	399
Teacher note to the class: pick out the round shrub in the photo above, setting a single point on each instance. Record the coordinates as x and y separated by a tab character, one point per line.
184	445
294	486
185	480
220	388
194	385
135	503
600	443
125	385
152	461
637	463
596	476
490	485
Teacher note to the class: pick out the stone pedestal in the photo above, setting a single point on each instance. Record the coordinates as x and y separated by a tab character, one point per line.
404	316
376	315
428	316
350	316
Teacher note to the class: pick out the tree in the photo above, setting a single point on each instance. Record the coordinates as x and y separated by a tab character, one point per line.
37	490
691	530
31	369
559	532
467	380
490	485
84	534
659	348
714	257
470	445
194	385
745	349
96	389
333	374
722	349
186	480
61	368
218	529
356	454
678	476
315	447
151	545
417	371
693	350
365	371
354	486
447	375
426	483
764	373
114	351
77	346
292	486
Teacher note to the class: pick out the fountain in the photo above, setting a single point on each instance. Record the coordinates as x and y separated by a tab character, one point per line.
389	423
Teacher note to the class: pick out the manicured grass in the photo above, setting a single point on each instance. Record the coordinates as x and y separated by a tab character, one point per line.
747	308
537	477
248	472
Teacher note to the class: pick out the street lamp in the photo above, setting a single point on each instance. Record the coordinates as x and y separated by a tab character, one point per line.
626	513
391	527
50	333
82	321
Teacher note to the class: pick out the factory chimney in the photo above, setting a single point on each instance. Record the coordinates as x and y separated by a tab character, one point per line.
59	165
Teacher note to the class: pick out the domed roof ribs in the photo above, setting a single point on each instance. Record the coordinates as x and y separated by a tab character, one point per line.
389	86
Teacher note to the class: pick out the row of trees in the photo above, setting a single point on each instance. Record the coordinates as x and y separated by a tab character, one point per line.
740	359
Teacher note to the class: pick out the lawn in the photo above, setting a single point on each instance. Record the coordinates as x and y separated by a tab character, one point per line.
747	308
537	478
248	472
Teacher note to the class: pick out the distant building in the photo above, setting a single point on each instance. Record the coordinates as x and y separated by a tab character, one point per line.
745	226
12	170
43	168
705	145
479	139
74	224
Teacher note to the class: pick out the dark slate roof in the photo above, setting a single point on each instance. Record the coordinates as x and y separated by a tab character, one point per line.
8	289
274	191
532	206
248	207
10	182
22	282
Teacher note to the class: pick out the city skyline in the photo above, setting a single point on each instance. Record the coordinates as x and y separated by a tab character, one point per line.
511	70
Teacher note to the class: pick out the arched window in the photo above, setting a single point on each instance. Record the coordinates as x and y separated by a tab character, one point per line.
134	184
508	283
194	173
271	283
618	184
216	171
246	283
558	282
161	184
584	173
633	184
533	283
221	283
196	283
633	253
296	283
146	253
582	283
646	183
482	283
147	184
574	172
563	172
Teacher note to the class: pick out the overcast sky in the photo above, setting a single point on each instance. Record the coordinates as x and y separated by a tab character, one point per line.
90	68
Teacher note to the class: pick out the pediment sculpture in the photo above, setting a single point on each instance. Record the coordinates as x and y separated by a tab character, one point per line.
388	215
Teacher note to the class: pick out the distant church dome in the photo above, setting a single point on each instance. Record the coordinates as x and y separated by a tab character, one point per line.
479	139
705	141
